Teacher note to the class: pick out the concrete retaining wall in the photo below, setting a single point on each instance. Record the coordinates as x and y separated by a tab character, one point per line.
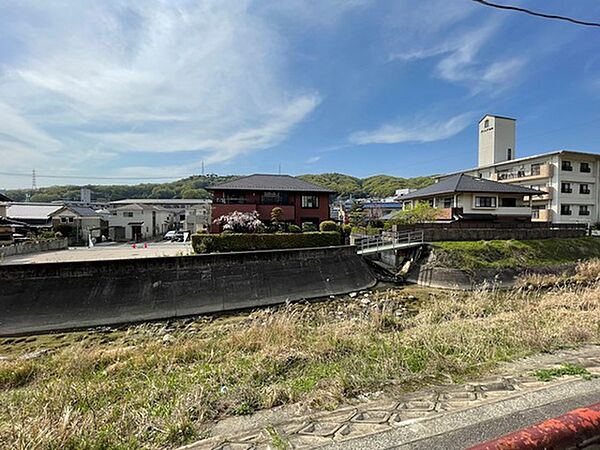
446	278
23	248
54	296
488	234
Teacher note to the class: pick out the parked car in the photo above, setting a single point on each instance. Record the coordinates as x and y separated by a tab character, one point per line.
169	235
181	236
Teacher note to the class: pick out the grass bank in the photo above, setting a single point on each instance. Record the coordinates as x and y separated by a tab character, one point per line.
515	254
160	385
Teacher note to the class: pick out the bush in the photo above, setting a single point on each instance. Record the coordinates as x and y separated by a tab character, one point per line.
328	225
294	229
239	242
308	227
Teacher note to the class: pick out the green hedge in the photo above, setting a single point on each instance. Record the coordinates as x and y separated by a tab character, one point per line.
239	242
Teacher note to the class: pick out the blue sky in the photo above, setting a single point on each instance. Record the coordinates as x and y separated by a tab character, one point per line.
146	88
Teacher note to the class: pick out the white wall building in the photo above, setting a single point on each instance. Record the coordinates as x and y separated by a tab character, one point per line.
151	218
569	178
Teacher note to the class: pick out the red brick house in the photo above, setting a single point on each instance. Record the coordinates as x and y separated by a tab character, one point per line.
300	201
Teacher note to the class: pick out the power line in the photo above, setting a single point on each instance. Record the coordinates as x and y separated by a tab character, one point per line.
537	14
77	177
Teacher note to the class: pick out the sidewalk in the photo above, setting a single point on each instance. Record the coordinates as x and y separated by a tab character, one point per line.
447	416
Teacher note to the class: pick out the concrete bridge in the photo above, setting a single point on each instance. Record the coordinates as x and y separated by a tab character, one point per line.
371	245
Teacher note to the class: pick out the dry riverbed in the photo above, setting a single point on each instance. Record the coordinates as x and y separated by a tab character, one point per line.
163	384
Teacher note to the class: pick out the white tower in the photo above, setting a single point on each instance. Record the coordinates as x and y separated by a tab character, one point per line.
496	139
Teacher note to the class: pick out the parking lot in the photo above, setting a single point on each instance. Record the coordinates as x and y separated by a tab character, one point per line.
106	251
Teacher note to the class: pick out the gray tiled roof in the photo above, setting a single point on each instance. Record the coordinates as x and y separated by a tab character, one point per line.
467	183
4	198
262	182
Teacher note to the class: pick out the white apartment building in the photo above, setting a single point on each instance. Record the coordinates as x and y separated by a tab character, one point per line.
145	218
569	179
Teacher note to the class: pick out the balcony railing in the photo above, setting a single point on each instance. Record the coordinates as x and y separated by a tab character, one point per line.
537	171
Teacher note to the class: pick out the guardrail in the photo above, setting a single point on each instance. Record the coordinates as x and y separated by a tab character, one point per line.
389	239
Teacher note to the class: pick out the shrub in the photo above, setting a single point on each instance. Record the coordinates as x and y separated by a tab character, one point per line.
239	242
294	229
328	225
308	227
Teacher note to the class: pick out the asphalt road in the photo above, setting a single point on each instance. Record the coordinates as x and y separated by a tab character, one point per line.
103	252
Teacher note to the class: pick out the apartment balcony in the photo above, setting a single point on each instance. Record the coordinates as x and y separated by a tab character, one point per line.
537	198
538	172
541	215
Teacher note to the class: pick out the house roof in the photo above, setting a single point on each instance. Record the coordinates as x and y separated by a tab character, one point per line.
4	198
141	207
81	211
466	183
162	201
265	182
40	211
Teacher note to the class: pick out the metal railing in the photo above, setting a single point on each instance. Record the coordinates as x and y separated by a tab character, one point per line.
389	239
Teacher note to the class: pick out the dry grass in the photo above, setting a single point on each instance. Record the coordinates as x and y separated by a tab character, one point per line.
156	387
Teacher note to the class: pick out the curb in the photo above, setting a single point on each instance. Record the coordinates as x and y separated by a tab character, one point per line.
576	429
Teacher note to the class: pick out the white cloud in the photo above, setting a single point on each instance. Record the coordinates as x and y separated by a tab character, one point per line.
420	130
457	36
144	76
313	159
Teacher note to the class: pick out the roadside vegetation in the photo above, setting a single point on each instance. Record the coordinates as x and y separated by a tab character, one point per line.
161	385
515	253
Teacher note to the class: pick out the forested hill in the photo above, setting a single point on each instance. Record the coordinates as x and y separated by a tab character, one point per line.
194	187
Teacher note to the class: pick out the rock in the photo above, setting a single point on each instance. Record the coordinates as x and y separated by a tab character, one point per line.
365	301
411	297
365	295
33	355
167	339
352	294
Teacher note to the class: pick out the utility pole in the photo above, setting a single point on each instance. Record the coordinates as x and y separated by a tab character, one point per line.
279	170
202	167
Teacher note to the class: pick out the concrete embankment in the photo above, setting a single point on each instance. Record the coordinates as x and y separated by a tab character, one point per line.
56	296
459	279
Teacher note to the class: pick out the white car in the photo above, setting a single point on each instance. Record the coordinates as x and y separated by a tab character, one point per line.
169	235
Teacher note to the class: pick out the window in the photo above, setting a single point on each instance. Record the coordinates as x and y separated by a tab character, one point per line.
310	201
509	154
182	217
536	169
584	189
271	198
566	165
128	214
448	202
566	188
486	123
70	220
585	167
584	210
485	202
565	210
508	202
63	219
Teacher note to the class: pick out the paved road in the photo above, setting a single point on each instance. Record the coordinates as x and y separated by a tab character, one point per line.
103	252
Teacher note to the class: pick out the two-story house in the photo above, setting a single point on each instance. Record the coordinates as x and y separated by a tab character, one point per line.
569	179
301	202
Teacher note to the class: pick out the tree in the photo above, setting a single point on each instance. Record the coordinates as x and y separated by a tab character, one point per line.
277	217
162	192
418	214
240	222
357	217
